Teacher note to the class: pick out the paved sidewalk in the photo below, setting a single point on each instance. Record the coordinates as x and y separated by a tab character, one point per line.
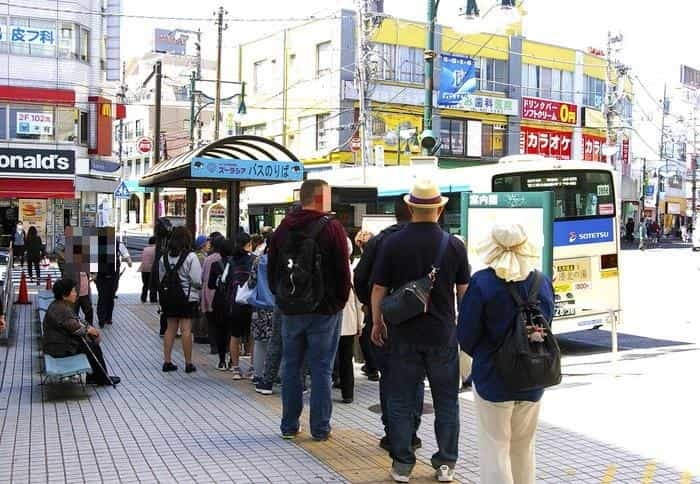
203	427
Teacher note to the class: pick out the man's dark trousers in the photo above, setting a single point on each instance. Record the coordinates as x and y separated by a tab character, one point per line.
413	362
106	287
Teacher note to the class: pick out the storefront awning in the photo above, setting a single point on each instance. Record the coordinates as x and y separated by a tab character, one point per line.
33	188
176	172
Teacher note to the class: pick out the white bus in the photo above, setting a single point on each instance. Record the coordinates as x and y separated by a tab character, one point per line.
586	233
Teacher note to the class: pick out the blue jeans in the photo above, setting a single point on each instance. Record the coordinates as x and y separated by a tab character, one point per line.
312	336
413	362
381	359
273	358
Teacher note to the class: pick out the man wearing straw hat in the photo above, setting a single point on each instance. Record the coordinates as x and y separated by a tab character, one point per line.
425	344
506	420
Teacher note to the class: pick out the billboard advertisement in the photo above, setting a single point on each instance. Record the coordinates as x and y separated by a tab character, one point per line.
457	79
169	42
546	110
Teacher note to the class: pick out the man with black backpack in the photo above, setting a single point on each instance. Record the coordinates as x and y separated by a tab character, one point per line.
310	276
417	273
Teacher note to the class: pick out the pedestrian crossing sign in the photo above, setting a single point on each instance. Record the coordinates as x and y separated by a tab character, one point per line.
122	191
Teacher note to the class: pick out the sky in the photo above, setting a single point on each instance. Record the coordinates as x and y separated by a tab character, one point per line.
656	35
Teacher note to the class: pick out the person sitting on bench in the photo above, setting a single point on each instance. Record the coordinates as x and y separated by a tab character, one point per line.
66	335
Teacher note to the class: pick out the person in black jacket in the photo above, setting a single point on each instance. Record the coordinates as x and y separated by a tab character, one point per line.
35	251
363	288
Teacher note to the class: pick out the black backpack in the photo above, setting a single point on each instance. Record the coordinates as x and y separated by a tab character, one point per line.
529	357
300	285
172	297
226	288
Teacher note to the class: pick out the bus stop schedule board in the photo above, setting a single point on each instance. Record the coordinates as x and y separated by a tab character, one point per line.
247	170
534	210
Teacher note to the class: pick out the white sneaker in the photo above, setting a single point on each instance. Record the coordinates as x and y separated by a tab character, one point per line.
398	477
445	474
236	373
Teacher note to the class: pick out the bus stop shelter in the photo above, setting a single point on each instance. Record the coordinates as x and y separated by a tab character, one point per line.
230	164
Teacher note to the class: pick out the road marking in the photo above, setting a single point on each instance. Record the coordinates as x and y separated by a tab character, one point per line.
609	475
686	478
649	470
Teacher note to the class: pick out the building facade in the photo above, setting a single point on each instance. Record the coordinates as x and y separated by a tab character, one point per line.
495	95
136	131
56	113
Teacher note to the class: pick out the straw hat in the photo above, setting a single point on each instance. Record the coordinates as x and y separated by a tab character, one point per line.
425	194
509	252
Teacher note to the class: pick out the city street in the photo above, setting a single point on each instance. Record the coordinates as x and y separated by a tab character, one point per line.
639	426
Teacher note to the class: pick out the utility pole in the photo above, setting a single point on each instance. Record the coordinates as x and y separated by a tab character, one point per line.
428	138
609	103
198	57
122	100
694	162
363	52
662	155
217	102
642	197
192	109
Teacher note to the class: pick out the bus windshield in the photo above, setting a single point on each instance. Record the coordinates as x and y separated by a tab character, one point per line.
577	193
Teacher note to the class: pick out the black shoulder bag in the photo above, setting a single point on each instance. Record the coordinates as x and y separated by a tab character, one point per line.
412	299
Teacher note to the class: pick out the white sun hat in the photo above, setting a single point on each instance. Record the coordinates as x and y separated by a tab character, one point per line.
509	252
425	194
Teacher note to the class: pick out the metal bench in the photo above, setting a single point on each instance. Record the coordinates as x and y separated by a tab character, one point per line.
57	369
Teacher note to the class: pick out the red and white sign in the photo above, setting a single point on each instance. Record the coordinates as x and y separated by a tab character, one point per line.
546	110
593	148
144	145
355	144
554	144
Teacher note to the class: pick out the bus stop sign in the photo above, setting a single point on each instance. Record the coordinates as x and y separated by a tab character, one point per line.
255	170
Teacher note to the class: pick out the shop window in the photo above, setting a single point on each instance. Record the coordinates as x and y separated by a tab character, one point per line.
594	92
84	123
84	44
547	83
129	169
68	40
567	86
399	63
261	76
139	128
255	130
3	38
3	123
452	137
378	126
32	36
65	124
492	75
32	122
493	138
146	164
323	59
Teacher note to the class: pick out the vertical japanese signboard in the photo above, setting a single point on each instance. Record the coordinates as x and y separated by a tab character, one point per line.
533	210
593	147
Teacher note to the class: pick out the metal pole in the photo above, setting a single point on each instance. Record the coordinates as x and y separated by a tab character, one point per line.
662	149
362	75
199	76
285	87
192	120
694	165
608	97
158	70
429	56
122	97
217	102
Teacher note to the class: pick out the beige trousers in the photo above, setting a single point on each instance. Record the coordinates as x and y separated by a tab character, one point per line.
506	440
465	366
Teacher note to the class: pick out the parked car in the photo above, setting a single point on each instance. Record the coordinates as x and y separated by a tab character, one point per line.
696	239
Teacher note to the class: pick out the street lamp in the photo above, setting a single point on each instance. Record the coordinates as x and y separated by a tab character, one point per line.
429	142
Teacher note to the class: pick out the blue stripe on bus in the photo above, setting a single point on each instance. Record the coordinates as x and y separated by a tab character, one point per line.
443	189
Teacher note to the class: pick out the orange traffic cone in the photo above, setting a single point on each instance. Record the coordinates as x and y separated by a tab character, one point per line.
49	284
23	292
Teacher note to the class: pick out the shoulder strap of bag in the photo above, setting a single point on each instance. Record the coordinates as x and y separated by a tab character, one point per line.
440	255
318	227
181	261
533	296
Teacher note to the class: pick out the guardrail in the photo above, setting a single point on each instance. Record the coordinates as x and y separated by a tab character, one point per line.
7	296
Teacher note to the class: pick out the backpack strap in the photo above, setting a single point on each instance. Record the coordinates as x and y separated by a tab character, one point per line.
533	294
318	227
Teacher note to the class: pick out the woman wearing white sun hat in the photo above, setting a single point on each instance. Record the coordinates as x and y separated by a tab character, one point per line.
507	420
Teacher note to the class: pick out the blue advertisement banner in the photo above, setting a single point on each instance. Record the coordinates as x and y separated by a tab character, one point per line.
262	170
580	232
457	79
